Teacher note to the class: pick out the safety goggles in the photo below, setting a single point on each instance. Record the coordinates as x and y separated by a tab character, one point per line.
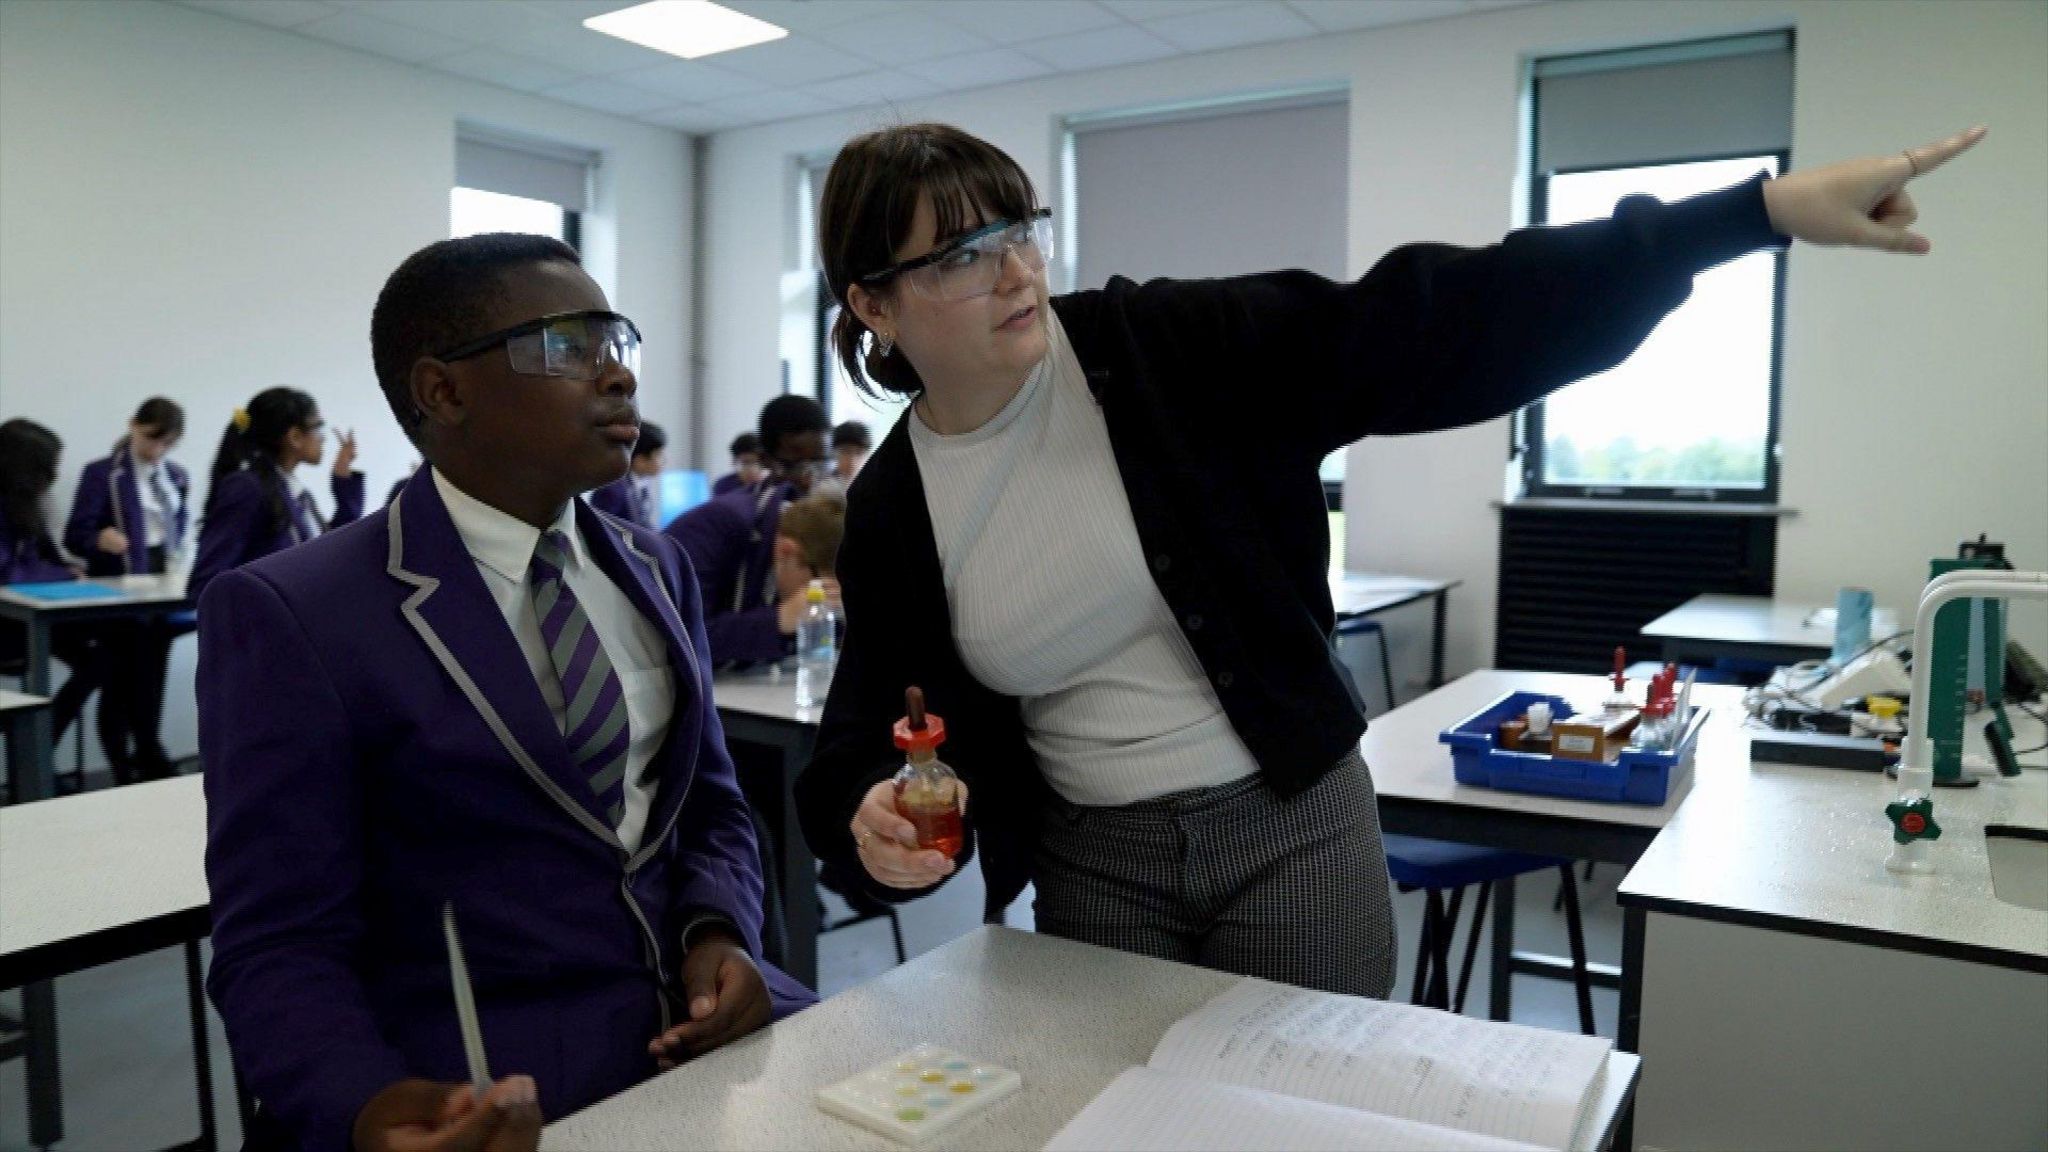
970	266
572	345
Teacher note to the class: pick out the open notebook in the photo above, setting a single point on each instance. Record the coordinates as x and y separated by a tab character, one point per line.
1266	1066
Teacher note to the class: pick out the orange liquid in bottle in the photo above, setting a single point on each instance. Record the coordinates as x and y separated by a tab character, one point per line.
934	810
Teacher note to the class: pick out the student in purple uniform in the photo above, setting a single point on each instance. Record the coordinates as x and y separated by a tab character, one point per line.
731	538
489	696
29	454
256	504
634	496
746	465
132	517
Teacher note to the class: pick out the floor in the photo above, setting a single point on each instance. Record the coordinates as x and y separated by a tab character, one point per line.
126	1049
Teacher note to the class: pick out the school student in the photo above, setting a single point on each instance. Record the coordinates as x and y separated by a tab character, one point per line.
29	454
851	443
256	504
747	469
1157	732
807	542
132	517
635	496
731	538
489	697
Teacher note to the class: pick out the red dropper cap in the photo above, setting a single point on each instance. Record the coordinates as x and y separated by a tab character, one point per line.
919	731
1620	662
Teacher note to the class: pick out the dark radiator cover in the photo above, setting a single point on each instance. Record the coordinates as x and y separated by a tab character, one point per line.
1575	582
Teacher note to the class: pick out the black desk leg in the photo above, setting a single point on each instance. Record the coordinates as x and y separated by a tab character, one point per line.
799	873
45	1088
1436	641
29	755
1501	987
202	1047
1628	1032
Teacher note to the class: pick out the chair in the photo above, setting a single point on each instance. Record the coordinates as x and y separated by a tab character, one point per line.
1363	626
1439	866
864	907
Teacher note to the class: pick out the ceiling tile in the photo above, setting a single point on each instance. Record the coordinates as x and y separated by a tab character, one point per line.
765	106
579	49
1015	21
1349	15
572	11
1155	9
793	61
1105	48
609	96
874	88
693	81
1231	27
980	69
504	69
692	118
902	38
276	13
814	15
365	33
477	21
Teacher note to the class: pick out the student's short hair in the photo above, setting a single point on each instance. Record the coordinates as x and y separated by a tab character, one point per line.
161	415
652	439
853	434
745	444
787	416
442	296
817	523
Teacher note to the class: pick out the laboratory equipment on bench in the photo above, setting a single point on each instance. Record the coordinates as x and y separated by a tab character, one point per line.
927	791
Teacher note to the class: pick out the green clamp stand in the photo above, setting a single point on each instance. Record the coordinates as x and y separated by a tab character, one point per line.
1913	821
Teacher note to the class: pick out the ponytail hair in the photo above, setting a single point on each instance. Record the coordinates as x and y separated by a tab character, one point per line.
254	439
28	467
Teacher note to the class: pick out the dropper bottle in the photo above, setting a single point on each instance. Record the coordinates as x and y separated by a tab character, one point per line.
927	791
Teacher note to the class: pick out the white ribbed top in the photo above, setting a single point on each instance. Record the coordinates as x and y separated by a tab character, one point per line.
1052	602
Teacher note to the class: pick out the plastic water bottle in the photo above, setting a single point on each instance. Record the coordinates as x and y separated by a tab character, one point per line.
817	647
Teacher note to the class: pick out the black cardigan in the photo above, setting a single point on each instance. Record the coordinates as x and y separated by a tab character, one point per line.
1221	398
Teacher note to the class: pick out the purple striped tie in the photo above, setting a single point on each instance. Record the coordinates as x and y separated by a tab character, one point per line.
594	714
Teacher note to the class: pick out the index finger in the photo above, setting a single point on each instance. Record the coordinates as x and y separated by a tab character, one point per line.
1927	157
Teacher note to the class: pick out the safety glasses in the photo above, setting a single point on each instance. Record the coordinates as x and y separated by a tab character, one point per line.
971	265
572	345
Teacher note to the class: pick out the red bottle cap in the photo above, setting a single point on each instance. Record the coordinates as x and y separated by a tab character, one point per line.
919	731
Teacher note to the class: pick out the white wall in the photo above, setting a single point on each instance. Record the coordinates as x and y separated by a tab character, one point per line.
1916	391
201	207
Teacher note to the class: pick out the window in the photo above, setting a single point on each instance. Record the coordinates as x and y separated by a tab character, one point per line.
473	210
1692	415
508	185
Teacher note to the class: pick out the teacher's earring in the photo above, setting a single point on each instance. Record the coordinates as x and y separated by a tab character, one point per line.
887	344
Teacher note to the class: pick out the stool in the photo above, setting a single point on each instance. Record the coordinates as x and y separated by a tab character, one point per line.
1439	866
1363	626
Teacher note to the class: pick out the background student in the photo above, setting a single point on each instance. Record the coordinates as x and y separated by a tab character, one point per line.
256	505
747	468
132	517
635	496
731	538
29	454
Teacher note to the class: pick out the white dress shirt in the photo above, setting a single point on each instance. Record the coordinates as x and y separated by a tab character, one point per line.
502	546
153	489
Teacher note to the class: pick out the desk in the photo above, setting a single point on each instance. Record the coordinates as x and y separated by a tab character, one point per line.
1068	1016
1712	626
1775	952
28	742
1411	771
134	596
1355	594
94	878
770	739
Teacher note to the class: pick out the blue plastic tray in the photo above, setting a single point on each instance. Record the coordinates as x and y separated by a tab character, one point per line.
1639	776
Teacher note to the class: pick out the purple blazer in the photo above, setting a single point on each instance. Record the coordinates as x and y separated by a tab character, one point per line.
375	746
730	540
238	530
615	498
730	482
30	558
108	498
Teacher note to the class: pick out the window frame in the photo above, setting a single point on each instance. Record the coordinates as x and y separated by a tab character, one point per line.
1527	433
